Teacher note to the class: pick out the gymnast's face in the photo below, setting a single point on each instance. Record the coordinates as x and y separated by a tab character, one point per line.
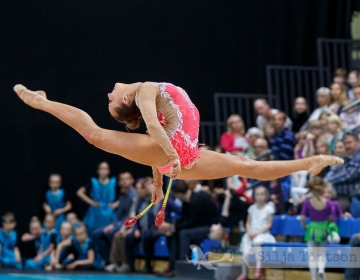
118	96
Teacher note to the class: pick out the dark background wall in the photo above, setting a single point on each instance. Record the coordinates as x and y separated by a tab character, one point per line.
77	50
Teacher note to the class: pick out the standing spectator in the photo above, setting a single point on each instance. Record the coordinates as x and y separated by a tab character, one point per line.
234	139
284	142
353	80
346	178
199	213
252	134
323	101
265	114
56	200
300	115
9	252
350	117
102	236
337	97
100	194
334	128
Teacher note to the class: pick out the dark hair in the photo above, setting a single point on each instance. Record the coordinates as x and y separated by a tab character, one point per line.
352	134
281	113
340	72
180	187
316	185
9	217
129	115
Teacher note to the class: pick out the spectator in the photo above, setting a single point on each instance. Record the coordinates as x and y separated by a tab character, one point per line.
137	232
56	200
102	236
82	250
323	101
316	132
346	178
324	119
322	148
72	218
9	252
356	91
337	97
350	117
301	139
252	134
351	272
353	80
300	115
198	214
234	139
334	129
340	150
284	142
340	76
265	114
100	194
269	130
48	241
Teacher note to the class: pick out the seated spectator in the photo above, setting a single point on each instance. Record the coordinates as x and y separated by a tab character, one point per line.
340	150
301	139
100	195
340	75
323	101
47	244
198	214
337	97
102	236
266	113
72	218
65	234
284	142
356	91
324	118
322	148
77	252
234	139
252	134
56	200
350	117
316	132
346	178
10	256
330	194
34	234
353	80
269	131
334	129
300	114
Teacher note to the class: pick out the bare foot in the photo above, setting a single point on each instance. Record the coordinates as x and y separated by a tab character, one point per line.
321	161
31	98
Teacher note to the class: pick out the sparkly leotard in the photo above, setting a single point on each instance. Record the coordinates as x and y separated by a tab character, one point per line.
179	119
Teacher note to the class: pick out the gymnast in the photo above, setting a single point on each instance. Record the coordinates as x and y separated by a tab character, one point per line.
170	146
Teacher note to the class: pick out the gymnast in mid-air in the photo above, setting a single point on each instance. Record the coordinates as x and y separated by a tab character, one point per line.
171	145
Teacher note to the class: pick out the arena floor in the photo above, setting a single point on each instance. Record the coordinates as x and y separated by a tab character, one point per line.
29	276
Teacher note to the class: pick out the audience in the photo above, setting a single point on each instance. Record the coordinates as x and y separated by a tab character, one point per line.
334	129
337	97
252	134
351	117
234	139
352	80
300	115
323	101
265	114
100	195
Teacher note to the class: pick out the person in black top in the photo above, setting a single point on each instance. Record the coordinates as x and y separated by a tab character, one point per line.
300	115
199	212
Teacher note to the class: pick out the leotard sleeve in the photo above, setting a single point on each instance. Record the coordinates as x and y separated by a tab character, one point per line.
157	177
146	101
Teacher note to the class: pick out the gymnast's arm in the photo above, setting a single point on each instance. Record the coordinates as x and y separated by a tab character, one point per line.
147	105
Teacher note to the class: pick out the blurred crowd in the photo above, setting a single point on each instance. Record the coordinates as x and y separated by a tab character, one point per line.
197	210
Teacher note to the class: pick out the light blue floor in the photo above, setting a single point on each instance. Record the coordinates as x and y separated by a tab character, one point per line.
23	276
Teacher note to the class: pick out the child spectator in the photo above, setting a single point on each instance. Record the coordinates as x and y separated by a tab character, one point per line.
258	224
72	218
340	76
340	150
301	139
318	209
350	117
47	244
100	194
269	131
9	252
316	132
334	129
353	80
82	249
56	200
322	148
337	96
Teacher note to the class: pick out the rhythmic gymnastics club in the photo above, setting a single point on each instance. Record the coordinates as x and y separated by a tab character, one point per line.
160	217
132	220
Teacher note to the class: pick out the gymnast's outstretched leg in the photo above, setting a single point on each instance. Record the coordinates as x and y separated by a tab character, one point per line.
143	149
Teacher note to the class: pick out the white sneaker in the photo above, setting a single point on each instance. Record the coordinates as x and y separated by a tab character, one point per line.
111	267
123	268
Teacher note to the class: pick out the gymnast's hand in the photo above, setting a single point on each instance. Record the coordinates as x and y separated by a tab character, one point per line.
175	168
157	194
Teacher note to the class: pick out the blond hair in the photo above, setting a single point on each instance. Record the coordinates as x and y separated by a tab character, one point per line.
229	121
335	118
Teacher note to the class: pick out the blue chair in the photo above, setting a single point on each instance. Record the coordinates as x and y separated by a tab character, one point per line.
356	226
207	244
292	226
278	225
346	227
161	249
